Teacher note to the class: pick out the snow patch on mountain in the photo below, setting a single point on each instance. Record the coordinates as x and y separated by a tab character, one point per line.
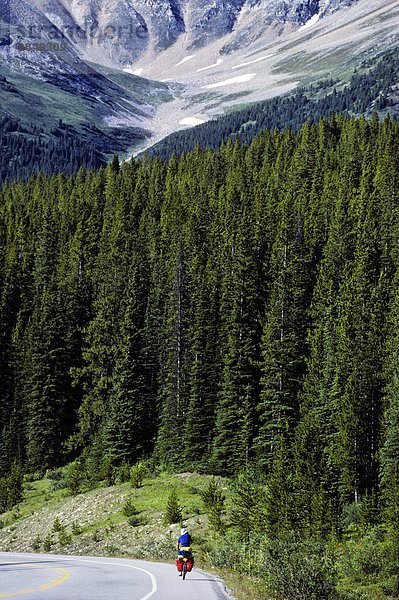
216	64
233	80
133	71
184	60
191	121
250	62
312	21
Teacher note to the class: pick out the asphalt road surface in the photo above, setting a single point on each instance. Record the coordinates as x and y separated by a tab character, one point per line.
53	577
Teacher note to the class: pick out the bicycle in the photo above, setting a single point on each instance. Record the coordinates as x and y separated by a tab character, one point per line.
184	573
184	563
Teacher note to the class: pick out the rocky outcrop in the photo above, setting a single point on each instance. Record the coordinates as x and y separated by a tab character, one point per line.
120	32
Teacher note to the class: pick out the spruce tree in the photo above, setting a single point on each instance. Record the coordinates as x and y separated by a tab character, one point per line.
129	428
389	471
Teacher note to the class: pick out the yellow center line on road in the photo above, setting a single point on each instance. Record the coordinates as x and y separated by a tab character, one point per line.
46	586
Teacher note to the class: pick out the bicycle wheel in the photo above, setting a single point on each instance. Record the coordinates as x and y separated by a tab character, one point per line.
184	569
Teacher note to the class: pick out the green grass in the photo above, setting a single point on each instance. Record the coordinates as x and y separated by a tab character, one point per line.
143	89
41	104
37	494
150	499
246	588
153	495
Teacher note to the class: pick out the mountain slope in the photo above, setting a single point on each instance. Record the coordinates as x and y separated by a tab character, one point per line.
45	80
102	112
372	88
331	48
81	61
119	32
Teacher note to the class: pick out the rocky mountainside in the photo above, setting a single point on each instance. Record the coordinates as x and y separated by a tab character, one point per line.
120	32
85	60
45	77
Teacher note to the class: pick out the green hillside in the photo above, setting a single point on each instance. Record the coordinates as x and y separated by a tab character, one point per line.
67	122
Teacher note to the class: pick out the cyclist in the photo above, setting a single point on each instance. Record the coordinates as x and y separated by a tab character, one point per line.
183	545
184	540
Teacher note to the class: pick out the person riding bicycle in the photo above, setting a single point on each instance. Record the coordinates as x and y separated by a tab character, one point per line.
184	541
184	545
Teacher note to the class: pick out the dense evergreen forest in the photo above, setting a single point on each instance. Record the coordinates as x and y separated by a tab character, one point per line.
27	149
222	311
373	87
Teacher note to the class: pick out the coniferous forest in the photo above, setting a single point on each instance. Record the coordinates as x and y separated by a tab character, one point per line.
222	311
27	149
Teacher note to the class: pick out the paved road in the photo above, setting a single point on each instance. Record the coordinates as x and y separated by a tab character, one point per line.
53	577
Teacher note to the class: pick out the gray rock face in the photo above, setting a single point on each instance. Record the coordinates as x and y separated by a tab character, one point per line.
276	16
299	11
208	21
37	48
116	31
120	32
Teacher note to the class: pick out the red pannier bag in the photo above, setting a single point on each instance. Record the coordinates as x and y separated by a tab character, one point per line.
190	564
179	565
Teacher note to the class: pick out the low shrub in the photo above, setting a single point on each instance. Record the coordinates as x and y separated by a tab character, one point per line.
214	500
48	543
75	476
301	570
112	550
55	474
122	473
369	562
129	509
75	528
64	538
137	474
57	525
37	542
134	521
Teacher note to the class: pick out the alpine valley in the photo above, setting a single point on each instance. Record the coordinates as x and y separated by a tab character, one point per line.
118	76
